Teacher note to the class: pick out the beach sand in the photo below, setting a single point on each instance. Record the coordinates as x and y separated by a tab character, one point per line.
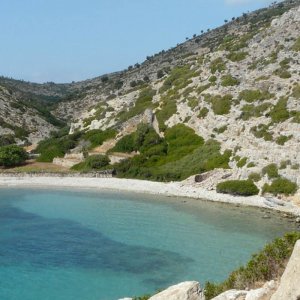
178	189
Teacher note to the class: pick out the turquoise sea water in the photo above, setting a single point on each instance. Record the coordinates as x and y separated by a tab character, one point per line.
90	245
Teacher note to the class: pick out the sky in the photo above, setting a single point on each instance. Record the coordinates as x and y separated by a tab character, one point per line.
72	40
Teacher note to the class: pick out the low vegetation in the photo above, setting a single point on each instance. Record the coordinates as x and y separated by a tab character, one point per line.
220	105
12	155
238	188
93	162
237	56
281	186
228	80
255	95
264	266
179	155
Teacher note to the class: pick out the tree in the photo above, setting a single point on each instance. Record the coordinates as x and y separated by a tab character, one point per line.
97	161
12	155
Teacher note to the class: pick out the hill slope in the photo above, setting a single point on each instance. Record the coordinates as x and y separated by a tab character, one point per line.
236	86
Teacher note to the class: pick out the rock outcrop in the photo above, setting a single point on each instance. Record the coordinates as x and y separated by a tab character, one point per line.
189	290
289	287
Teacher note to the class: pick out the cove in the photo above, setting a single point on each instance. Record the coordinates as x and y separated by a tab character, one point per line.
95	245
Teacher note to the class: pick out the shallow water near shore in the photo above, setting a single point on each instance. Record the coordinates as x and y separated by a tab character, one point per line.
94	245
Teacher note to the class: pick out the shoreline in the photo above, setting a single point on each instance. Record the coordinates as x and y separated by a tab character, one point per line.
175	189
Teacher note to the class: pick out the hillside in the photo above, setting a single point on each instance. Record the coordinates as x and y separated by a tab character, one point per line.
237	87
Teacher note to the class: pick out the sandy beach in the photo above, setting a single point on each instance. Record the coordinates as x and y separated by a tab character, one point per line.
177	189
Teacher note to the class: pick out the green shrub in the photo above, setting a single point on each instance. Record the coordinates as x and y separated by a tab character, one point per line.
284	164
283	73
237	56
220	129
242	162
255	95
281	186
217	65
97	136
212	79
254	177
261	131
167	109
93	162
202	88
179	155
263	266
296	91
238	187
279	113
228	80
7	139
251	165
296	46
143	102
271	170
203	113
12	155
193	102
220	105
179	78
126	144
57	147
250	110
282	139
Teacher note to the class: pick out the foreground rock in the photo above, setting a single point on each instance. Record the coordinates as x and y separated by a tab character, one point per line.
189	290
289	287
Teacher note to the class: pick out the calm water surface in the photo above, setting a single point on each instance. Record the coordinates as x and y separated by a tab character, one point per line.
90	245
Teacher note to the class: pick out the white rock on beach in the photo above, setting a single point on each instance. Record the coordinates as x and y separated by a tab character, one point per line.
189	290
289	287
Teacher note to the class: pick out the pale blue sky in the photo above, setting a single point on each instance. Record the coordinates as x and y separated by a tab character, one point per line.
66	40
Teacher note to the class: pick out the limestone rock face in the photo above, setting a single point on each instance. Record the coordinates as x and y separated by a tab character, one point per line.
232	295
263	293
189	290
289	287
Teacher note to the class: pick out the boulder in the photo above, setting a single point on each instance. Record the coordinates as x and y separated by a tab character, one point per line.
232	295
263	293
289	287
189	290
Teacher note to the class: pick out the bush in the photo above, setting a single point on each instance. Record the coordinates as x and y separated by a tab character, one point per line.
203	113
296	91
93	162
261	131
238	187
255	95
217	65
281	186
296	46
254	177
264	266
96	137
271	170
242	162
220	105
250	110
6	139
126	144
282	139
55	147
228	80
12	155
237	56
143	102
